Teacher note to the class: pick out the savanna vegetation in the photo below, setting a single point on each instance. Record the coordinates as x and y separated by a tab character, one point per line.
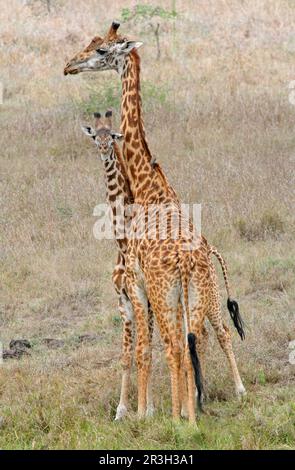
219	118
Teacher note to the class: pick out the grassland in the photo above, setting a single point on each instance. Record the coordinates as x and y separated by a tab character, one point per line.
219	119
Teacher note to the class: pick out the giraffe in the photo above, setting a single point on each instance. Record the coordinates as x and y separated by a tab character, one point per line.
146	260
118	191
117	185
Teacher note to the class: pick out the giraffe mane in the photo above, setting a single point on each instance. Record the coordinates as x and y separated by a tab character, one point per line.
141	127
158	169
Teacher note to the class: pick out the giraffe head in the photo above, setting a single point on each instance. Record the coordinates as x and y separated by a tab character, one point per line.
103	135
107	53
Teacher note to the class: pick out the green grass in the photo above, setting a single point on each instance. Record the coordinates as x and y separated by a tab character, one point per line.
264	420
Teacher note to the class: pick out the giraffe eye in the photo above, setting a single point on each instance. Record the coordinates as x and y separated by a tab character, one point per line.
101	51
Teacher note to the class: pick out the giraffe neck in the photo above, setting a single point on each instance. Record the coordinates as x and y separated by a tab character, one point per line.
135	148
147	180
118	191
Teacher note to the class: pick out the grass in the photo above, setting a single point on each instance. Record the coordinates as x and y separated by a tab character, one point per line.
218	118
76	413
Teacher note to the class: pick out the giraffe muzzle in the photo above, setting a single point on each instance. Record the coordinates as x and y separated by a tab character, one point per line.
70	70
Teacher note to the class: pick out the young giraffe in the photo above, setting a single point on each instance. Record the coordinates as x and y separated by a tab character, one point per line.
149	185
118	191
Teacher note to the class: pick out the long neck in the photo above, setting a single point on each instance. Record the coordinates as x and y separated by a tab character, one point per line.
147	180
135	148
118	191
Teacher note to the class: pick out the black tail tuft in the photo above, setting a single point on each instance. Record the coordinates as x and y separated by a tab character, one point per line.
233	309
191	337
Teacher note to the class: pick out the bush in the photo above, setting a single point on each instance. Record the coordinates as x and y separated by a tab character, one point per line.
270	225
109	96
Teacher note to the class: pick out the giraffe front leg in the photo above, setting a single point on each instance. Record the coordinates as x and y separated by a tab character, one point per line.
126	310
143	358
139	301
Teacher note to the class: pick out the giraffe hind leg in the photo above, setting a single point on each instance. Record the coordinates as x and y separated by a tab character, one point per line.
202	344
150	402
224	339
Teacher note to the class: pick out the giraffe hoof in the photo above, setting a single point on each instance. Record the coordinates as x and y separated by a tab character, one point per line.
184	413
241	391
150	410
141	415
121	412
204	397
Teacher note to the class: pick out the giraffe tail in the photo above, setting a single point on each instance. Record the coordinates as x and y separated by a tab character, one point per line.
233	308
232	305
190	337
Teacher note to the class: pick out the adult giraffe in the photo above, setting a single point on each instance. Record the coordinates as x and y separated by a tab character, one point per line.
159	270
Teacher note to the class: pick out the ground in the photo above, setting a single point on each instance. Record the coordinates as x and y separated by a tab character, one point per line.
219	118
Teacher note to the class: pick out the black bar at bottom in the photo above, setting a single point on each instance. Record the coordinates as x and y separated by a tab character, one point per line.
137	458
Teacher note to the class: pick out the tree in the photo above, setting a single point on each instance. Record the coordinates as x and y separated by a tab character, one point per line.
149	16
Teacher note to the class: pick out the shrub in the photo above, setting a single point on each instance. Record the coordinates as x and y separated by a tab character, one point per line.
270	225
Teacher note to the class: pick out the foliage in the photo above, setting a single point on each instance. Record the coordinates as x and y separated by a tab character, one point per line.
148	16
143	11
109	96
103	98
153	94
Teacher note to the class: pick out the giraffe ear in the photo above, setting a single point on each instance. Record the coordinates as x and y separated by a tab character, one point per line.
128	46
88	131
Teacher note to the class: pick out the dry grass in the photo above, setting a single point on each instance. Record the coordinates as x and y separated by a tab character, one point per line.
218	118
